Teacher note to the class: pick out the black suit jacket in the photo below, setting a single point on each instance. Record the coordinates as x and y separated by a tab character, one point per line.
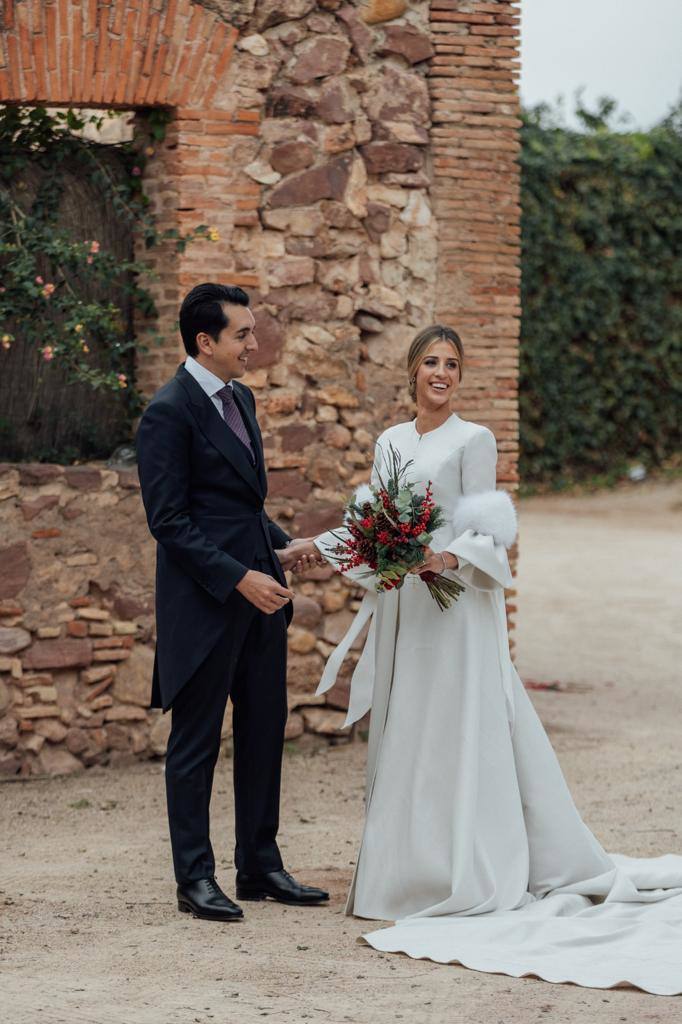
204	503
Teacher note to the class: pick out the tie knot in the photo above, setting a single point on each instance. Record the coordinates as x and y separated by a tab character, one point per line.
225	394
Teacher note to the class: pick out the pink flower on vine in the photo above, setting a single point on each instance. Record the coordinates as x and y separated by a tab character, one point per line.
39	280
48	289
48	353
94	246
122	380
90	259
136	171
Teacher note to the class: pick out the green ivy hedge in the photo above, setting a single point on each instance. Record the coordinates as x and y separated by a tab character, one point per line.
601	329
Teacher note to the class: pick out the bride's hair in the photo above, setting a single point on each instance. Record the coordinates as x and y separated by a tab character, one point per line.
423	342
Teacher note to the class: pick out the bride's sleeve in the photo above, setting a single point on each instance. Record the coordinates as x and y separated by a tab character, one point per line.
484	519
326	542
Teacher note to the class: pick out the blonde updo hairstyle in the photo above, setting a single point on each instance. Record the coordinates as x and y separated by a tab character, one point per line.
420	346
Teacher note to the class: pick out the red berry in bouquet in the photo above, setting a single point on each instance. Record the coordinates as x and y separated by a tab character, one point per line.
387	529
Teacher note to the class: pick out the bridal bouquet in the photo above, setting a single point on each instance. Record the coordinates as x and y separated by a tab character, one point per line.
388	528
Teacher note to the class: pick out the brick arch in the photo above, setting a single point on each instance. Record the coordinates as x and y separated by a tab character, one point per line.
128	53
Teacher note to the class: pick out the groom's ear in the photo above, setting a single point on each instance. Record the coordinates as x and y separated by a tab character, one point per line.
204	343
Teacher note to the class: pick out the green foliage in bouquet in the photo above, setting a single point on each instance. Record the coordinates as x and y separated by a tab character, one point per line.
388	528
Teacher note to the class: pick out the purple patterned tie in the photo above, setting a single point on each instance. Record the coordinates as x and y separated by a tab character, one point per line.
233	418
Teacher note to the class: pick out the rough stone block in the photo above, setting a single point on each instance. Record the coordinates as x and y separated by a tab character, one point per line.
82	558
134	677
15	569
111	654
58	761
158	735
33	474
289	102
48	632
13	639
51	729
39	711
328	181
70	652
294	727
288	483
374	12
94	614
125	628
5	698
100	629
31	509
325	721
301	641
320	57
289	157
83	478
124	713
408	42
9	731
382	157
97	673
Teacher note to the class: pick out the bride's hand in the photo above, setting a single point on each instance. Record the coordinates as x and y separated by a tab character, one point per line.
436	561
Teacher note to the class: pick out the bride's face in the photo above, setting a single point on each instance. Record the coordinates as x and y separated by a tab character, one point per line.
438	375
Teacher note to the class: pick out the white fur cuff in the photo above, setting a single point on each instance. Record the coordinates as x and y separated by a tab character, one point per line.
490	512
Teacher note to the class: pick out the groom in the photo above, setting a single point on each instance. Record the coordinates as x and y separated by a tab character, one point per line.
222	605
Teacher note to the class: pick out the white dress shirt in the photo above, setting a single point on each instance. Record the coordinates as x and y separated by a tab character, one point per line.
207	381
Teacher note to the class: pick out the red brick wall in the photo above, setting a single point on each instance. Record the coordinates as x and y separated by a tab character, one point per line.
473	83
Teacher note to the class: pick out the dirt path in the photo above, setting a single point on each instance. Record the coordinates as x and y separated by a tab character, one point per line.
88	929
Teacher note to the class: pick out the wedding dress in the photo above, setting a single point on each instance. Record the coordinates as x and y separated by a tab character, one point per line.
472	843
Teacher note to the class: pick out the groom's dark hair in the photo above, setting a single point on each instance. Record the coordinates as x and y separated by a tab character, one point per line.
202	311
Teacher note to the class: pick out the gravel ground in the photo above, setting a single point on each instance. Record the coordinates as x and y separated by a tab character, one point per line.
88	927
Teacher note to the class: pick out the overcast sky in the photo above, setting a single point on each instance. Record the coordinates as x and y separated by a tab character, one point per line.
628	49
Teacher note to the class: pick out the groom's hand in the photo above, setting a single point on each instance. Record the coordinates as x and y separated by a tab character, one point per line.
264	592
299	553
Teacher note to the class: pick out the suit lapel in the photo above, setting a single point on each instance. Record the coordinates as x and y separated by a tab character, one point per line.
214	428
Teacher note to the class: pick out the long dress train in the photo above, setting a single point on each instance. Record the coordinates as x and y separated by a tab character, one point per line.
472	843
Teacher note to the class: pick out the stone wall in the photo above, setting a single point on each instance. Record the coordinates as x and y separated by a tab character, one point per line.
77	625
343	241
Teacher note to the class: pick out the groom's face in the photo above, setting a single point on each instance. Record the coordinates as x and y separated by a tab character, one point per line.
228	356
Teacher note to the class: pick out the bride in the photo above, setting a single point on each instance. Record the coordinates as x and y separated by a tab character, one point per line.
472	843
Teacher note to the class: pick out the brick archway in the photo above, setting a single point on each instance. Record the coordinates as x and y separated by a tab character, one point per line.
128	54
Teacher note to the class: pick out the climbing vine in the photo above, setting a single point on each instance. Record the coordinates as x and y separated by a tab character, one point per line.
601	329
48	275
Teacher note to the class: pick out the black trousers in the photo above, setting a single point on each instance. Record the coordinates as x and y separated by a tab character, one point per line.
249	665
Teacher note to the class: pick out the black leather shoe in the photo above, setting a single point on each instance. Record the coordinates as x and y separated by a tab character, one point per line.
280	886
205	899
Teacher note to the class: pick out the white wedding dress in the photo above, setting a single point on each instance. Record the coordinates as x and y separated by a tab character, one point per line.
472	843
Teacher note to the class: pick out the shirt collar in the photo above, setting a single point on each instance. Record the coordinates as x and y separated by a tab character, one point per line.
207	381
